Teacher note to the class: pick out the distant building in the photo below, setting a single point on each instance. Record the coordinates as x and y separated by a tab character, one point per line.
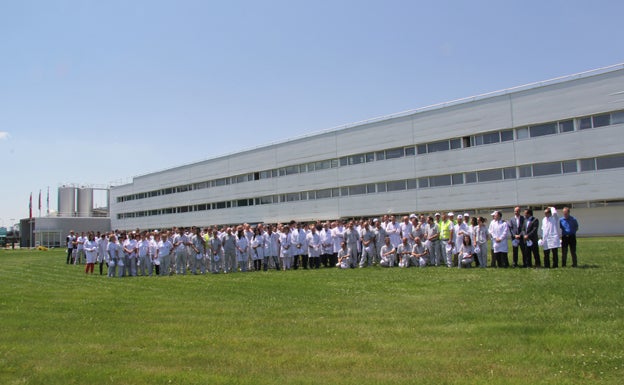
556	142
76	212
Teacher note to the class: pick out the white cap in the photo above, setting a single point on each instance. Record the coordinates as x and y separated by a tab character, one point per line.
494	212
412	216
375	220
450	214
437	214
466	215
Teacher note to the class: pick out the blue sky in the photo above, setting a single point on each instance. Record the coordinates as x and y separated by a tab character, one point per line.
95	92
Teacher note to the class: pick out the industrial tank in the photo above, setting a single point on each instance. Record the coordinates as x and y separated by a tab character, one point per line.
66	201
85	202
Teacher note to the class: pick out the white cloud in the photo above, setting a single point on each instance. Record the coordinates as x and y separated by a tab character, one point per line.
4	135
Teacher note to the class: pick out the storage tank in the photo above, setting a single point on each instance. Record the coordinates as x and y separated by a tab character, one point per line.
85	202
66	201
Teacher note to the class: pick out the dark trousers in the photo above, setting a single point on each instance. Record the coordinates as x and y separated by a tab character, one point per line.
533	250
501	259
555	253
325	259
315	262
69	256
568	241
514	253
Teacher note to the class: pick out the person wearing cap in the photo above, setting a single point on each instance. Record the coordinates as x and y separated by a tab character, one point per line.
499	232
516	231
569	226
432	233
531	227
447	236
551	237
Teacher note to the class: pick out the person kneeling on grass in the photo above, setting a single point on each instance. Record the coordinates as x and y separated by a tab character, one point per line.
466	253
419	253
344	256
388	254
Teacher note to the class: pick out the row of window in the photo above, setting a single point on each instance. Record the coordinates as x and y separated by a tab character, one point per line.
481	176
551	128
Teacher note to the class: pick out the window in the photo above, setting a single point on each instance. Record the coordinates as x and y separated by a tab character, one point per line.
569	166
344	191
585	123
457	178
292	170
334	163
522	133
492	137
357	190
239	178
602	120
370	157
199	186
357	159
311	167
566	126
525	171
442	145
371	188
381	187
440	180
222	181
168	191
265	174
396	185
335	192
509	173
380	155
588	164
274	173
411	184
293	197
394	153
456	143
607	162
410	151
241	203
322	194
489	175
322	165
477	140
423	182
303	168
344	161
421	149
543	129
202	207
506	135
542	169
220	205
470	177
617	117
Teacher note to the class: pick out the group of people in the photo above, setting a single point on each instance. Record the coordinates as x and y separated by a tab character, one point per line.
416	240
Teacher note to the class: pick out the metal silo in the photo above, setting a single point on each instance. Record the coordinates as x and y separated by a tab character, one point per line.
85	202
66	201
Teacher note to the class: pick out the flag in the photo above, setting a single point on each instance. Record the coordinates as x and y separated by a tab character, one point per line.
30	207
39	200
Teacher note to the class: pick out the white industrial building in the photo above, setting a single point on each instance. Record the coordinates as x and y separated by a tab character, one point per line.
558	142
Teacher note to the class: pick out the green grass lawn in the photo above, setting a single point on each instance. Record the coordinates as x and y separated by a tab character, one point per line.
360	326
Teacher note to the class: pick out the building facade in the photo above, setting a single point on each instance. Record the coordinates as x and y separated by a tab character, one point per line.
557	142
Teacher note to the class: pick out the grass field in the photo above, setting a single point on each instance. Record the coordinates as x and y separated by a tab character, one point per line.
361	326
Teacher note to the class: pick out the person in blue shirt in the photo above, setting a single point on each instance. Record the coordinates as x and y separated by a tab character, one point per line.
569	226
